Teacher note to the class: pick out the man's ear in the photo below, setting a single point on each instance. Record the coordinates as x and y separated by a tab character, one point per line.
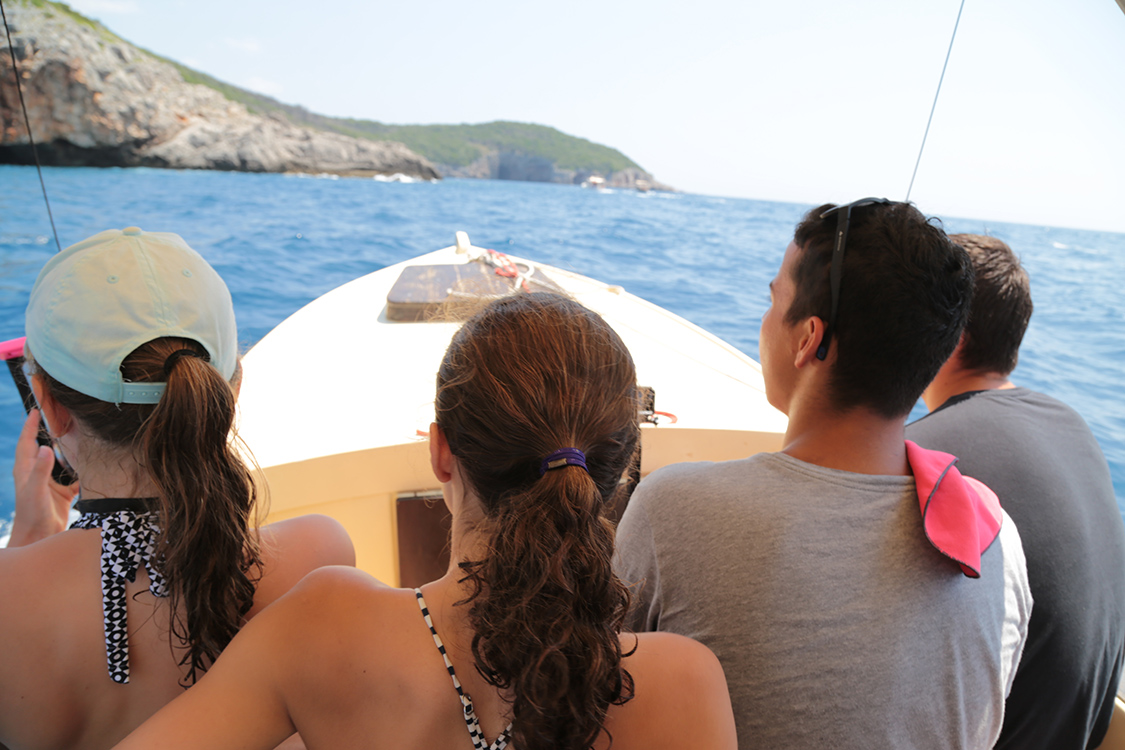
57	416
441	458
811	333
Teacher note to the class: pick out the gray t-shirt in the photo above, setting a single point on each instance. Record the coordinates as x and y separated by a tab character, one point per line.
836	622
1043	462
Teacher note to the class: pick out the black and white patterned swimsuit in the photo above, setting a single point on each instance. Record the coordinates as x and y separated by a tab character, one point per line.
466	702
128	541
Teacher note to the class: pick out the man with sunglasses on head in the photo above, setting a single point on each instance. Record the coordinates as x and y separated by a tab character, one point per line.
859	591
1045	465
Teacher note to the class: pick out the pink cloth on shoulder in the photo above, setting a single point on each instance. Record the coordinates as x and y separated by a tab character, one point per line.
961	516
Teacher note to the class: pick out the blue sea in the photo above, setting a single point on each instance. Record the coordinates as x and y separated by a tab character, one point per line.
282	240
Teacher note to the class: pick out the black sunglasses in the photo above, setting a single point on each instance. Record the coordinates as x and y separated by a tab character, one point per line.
843	218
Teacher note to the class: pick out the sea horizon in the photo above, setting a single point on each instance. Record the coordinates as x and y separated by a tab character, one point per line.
282	240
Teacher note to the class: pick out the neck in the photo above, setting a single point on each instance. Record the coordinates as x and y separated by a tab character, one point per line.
857	440
467	542
956	381
111	474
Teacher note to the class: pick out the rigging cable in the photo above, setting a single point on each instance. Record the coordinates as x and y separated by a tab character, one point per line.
27	122
934	106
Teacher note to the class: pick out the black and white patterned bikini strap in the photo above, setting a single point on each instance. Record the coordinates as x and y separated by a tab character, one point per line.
128	542
471	720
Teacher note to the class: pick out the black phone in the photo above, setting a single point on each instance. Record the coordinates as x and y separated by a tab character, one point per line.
12	354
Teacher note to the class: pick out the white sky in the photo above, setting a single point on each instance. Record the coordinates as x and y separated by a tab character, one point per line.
792	100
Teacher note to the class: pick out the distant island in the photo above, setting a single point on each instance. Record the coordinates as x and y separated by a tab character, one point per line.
94	99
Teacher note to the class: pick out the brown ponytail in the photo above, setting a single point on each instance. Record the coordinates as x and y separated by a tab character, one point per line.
529	375
206	548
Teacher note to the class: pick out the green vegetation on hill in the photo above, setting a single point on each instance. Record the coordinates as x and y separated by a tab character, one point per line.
65	10
453	145
459	145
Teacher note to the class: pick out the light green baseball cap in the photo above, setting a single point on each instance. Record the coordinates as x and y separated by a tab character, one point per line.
95	302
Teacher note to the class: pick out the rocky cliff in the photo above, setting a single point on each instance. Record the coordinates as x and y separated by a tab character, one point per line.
497	164
95	100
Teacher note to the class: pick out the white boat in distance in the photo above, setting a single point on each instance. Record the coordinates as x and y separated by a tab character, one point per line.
337	400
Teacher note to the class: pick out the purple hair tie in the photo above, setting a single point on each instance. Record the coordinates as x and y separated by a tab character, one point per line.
561	458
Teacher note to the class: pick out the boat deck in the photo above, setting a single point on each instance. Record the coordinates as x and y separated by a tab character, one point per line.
336	399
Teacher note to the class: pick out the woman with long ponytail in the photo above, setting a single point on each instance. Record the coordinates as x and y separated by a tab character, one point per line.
132	355
519	645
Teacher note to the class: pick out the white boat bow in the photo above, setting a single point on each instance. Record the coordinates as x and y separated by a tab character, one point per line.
335	401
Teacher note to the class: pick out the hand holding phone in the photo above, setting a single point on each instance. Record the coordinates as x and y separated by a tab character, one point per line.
42	504
12	354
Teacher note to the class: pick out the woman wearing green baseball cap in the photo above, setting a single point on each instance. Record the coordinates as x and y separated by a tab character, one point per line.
132	354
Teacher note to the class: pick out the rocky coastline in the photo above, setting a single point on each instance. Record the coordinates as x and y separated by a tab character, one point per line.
95	100
495	164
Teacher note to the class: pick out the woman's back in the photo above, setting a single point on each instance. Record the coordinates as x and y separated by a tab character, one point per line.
354	664
536	424
56	689
132	355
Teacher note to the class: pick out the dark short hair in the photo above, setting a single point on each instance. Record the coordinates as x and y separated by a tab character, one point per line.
904	300
1001	306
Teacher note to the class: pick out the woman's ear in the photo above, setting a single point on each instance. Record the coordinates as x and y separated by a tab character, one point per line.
56	416
236	379
441	458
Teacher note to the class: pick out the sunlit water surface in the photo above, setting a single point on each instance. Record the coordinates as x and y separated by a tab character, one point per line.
282	240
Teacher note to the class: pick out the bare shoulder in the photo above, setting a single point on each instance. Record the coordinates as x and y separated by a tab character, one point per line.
325	619
49	563
352	646
17	565
322	538
670	659
295	547
343	603
680	695
328	589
